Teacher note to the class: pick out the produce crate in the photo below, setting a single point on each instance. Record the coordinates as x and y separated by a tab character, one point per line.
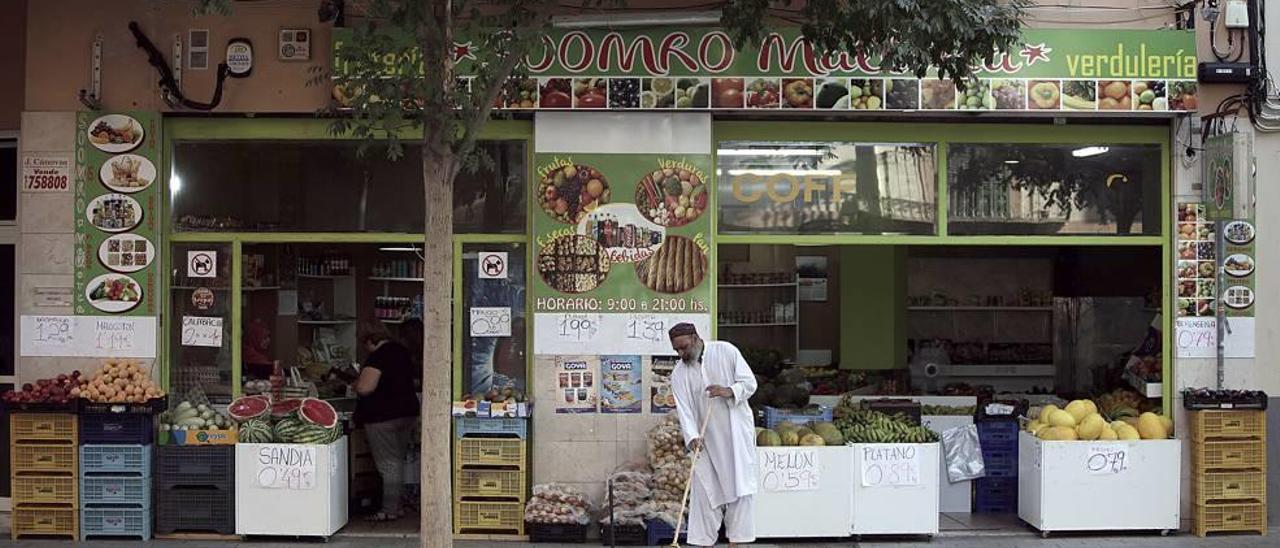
998	434
1230	455
1197	402
211	466
998	506
660	533
995	496
490	452
43	457
60	427
153	406
117	428
44	521
39	407
97	490
1000	464
1226	518
623	535
774	416
489	483
468	427
1219	425
195	510
45	490
115	459
908	408
560	533
1210	487
488	517
115	522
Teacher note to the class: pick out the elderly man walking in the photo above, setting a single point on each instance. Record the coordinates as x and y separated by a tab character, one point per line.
712	382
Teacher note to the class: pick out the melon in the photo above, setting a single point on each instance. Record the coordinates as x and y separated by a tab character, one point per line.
1128	433
318	412
789	438
1078	410
768	438
1091	406
804	431
1063	419
284	408
1150	427
785	425
1047	412
256	430
1091	428
286	429
812	440
1168	424
248	407
1034	425
1108	434
1058	433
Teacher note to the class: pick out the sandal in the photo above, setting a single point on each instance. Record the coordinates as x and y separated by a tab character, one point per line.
381	517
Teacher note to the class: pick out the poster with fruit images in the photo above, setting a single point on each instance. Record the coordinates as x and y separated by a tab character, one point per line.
117	213
1197	294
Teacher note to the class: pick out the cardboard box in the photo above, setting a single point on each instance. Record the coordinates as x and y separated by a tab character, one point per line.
199	437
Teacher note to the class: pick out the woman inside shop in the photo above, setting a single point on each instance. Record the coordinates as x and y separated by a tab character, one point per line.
387	409
411	335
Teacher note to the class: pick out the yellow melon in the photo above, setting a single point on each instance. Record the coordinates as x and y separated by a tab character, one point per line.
1091	428
1150	427
1116	424
1108	434
1128	433
1079	409
1046	412
1058	433
1168	424
1062	418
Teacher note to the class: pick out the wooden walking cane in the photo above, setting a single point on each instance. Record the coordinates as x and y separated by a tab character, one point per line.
684	502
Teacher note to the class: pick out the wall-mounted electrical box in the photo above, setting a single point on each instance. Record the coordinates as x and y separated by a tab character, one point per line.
1237	14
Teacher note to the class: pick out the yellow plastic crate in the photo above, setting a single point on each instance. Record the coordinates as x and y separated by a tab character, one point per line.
1232	455
1224	518
1213	424
45	521
43	457
45	490
490	452
489	482
1211	487
43	427
488	517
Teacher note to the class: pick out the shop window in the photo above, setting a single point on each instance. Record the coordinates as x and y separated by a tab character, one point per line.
200	329
1034	189
327	186
493	346
826	188
8	179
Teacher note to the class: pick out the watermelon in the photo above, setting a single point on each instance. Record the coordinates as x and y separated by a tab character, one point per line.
248	407
257	430
285	408
319	413
287	429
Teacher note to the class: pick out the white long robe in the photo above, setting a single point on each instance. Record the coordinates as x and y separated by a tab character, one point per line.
727	467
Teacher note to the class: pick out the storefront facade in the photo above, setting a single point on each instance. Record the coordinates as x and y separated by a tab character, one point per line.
272	198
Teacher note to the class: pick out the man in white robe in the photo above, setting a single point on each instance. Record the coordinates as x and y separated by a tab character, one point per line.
712	377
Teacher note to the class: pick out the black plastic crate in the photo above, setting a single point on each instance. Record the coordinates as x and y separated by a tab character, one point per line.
561	533
39	407
195	510
660	532
117	428
211	466
623	535
1198	400
992	495
150	407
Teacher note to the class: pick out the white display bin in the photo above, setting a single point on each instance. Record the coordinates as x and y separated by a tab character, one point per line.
793	503
908	508
287	489
1082	485
952	497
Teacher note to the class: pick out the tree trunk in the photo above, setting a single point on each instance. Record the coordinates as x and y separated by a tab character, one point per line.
436	524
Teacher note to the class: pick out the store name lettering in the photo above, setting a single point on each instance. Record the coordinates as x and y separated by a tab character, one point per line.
1132	65
786	187
285	456
577	52
567	304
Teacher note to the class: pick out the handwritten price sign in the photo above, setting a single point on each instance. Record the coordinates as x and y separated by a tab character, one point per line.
286	466
646	328
790	470
890	465
199	331
54	331
579	327
1107	460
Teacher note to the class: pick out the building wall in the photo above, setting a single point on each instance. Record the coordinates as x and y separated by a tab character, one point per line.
13	41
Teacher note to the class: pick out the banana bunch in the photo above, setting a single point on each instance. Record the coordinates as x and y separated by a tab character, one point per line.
862	425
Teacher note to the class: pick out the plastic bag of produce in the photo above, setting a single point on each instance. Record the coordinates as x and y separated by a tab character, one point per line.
963	452
553	503
630	487
665	511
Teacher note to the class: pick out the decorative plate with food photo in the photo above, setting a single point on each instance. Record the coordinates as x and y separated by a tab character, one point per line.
671	197
1238	265
568	193
1239	232
679	266
573	264
113	212
115	133
113	293
126	253
127	173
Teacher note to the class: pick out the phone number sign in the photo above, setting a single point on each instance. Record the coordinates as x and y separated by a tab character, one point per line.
46	172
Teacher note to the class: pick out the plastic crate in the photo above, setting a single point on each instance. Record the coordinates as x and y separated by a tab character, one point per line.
1231	455
1229	486
115	522
195	466
1224	518
660	533
195	510
995	507
490	452
623	535
45	490
44	521
115	459
998	434
489	483
1195	401
153	406
995	489
774	416
59	427
1210	425
467	427
96	490
118	428
43	457
560	533
1000	464
488	517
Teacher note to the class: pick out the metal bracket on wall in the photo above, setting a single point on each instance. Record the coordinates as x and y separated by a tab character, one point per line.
165	94
92	97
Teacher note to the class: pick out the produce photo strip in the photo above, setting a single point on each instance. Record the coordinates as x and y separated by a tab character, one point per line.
1197	261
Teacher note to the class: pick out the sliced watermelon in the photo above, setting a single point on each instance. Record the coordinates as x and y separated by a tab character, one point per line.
319	413
284	408
248	407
